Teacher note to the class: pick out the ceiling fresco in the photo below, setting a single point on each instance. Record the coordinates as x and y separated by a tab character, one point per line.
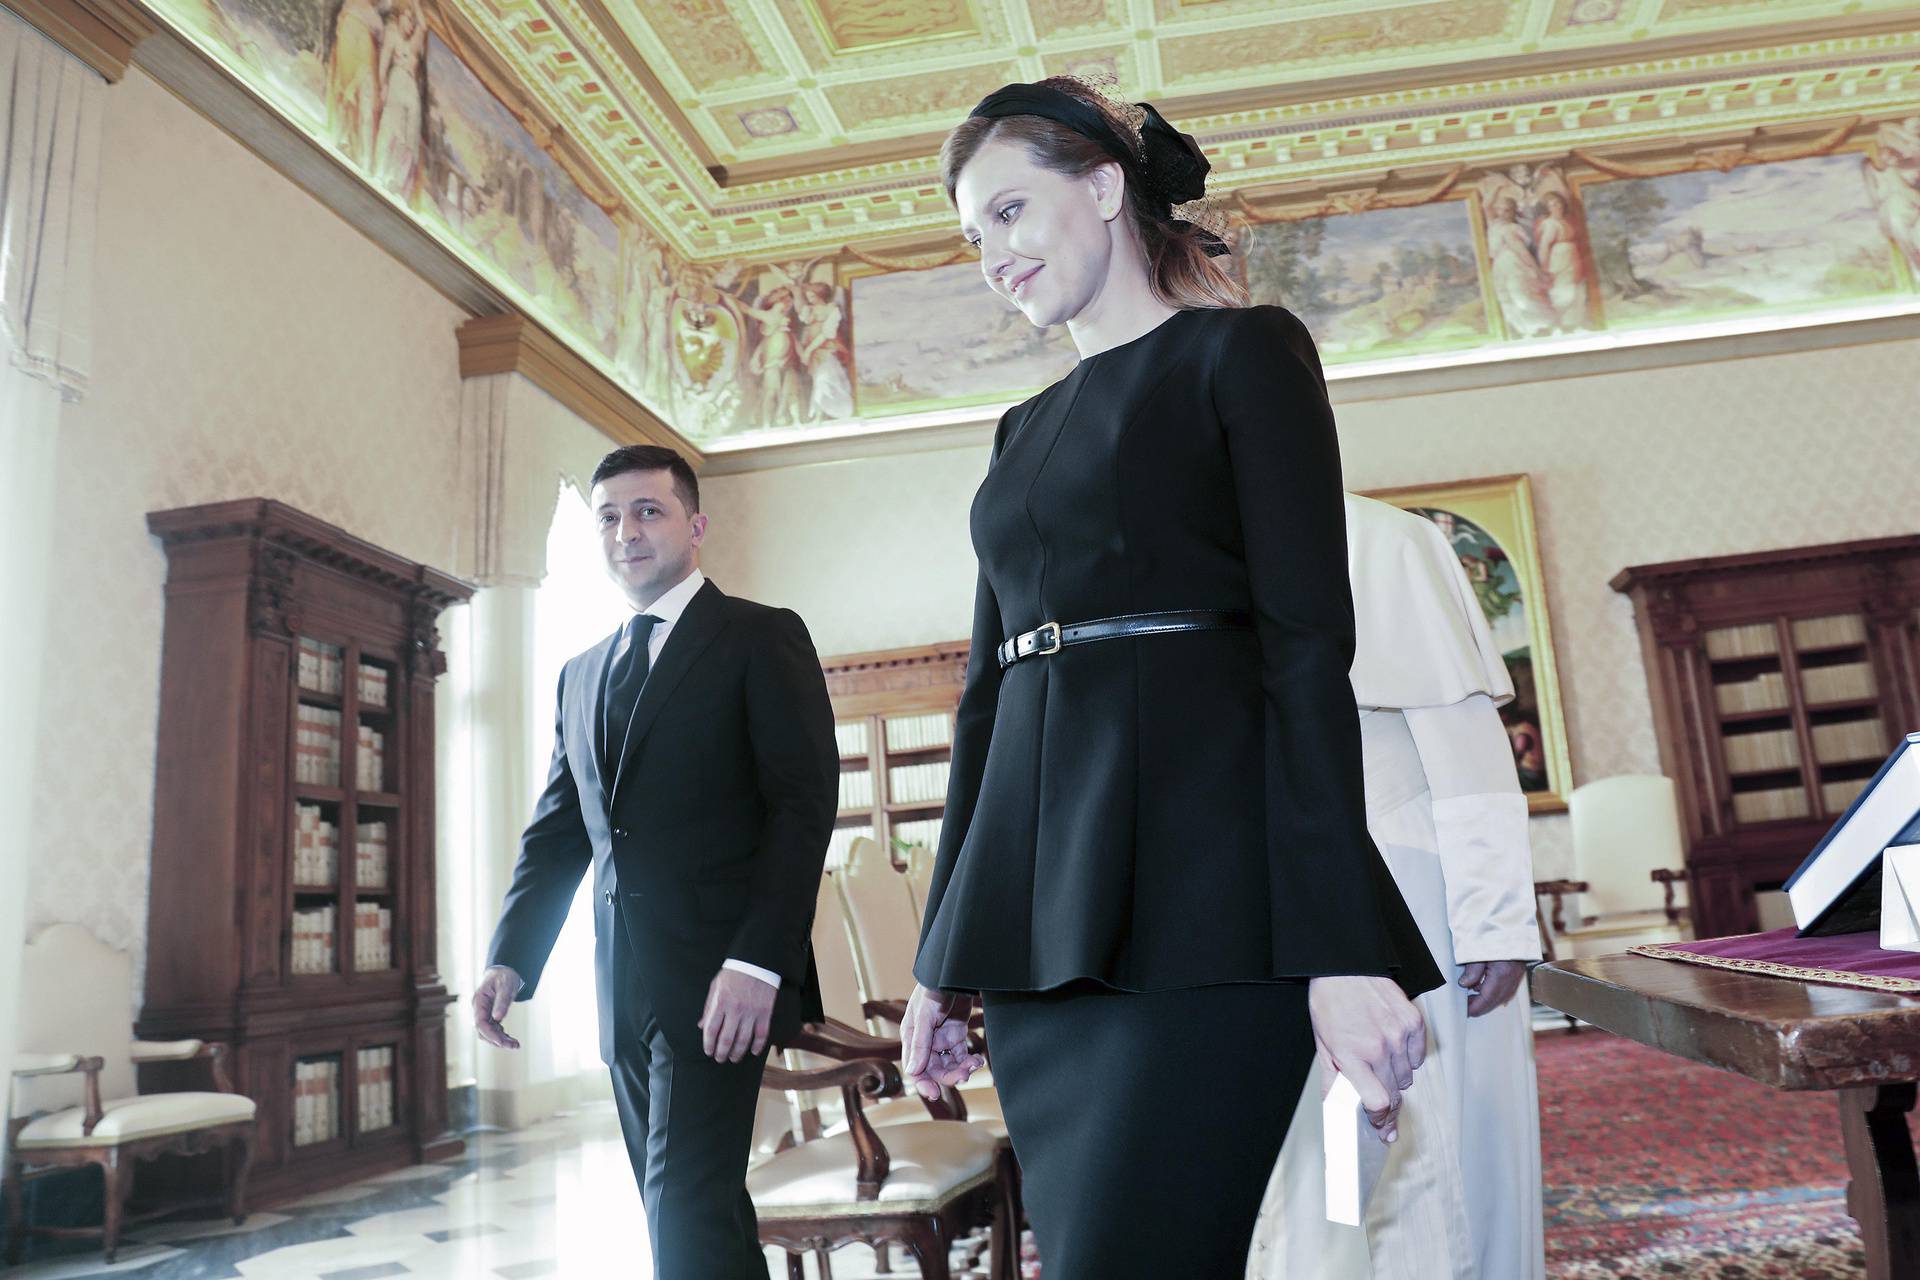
698	195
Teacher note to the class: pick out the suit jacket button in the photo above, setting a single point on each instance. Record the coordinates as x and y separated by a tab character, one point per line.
620	833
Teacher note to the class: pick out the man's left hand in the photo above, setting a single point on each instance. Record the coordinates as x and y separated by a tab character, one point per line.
738	1013
1491	983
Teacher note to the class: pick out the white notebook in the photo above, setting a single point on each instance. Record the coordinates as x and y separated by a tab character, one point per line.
1354	1153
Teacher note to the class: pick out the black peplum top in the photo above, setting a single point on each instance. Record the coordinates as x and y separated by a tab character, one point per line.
1174	810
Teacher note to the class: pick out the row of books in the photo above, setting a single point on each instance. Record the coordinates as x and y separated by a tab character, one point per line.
1849	740
370	760
911	733
918	783
1751	752
375	1072
1765	692
316	850
1772	805
313	931
371	686
856	790
922	831
322	669
316	746
1836	796
372	937
1835	629
1838	684
370	857
853	738
1754	640
316	1101
316	847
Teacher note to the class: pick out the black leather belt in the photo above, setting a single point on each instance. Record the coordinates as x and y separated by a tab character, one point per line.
1055	636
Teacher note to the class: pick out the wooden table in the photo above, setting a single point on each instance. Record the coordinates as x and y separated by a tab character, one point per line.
1865	1045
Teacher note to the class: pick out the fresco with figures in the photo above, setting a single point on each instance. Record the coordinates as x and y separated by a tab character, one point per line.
1493	258
715	349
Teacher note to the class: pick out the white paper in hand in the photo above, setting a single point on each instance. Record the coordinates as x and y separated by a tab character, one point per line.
1900	898
1354	1153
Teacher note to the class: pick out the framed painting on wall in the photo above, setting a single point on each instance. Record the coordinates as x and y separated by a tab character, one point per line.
1489	522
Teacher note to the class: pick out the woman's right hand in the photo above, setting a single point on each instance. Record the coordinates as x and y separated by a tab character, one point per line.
1372	1034
933	1042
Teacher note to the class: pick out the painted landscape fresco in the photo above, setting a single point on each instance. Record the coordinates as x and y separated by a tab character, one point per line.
1395	281
1802	233
941	337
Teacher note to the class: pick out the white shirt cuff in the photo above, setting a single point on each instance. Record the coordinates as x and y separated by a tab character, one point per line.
767	976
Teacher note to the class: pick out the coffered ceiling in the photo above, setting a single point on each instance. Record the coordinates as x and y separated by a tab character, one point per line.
743	126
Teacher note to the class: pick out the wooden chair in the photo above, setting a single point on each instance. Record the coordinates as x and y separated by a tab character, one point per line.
74	1099
919	880
920	1184
1626	838
885	930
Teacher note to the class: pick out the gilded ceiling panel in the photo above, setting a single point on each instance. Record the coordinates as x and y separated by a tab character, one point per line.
986	35
1589	17
942	96
1075	17
753	125
853	26
1394	35
709	45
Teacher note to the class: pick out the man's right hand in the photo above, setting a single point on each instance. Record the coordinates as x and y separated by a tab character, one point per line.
491	1000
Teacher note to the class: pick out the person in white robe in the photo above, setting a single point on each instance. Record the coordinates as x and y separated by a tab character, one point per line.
1459	1195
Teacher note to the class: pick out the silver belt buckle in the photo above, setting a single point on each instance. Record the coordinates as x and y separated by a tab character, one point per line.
1040	633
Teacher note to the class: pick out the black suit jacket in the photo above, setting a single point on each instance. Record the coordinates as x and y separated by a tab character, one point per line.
1174	810
707	841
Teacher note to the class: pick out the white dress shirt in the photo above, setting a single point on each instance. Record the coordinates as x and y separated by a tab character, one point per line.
668	609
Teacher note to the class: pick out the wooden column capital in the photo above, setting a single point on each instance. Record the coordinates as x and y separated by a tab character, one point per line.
512	343
101	33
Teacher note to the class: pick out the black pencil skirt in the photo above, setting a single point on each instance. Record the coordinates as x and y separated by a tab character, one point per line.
1147	1124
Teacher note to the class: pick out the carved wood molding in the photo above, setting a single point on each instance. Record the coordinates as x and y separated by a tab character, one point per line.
513	343
101	33
276	525
897	681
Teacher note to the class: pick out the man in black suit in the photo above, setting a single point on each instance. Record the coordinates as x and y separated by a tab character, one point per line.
695	771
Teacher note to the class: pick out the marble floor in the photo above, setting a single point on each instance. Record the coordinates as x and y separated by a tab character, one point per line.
553	1200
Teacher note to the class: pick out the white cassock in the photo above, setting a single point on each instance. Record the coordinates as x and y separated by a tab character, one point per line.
1460	1194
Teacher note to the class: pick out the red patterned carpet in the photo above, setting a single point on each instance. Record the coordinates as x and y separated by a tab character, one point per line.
1655	1167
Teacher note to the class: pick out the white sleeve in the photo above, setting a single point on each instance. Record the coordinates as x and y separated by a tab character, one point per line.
1480	818
767	976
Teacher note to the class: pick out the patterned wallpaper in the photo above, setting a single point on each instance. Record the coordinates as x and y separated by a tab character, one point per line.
224	367
1627	468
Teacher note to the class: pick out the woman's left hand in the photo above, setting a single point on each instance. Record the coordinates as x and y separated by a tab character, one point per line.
1374	1036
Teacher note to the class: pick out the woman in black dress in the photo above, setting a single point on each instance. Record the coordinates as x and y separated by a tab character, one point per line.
1155	868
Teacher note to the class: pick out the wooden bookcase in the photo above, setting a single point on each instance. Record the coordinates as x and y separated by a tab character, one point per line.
230	955
1780	681
893	711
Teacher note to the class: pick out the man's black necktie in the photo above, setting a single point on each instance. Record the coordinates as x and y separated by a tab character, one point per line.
625	676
